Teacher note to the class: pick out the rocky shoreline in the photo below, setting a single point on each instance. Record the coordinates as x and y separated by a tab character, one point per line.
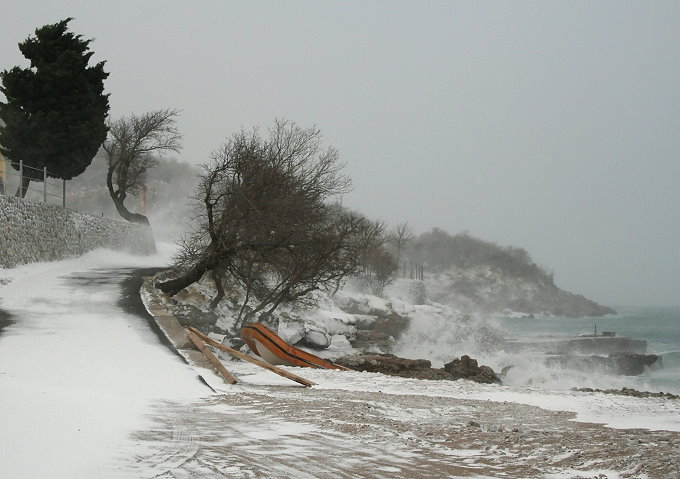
629	392
413	435
460	368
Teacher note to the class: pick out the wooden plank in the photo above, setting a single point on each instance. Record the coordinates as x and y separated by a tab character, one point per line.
245	357
212	358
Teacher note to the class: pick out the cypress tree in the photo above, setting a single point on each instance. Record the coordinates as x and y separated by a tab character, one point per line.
55	110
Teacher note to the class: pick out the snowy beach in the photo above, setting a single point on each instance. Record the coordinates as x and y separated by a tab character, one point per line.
88	390
372	426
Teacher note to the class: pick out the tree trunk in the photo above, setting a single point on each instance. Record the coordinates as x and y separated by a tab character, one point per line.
127	215
118	198
175	285
214	257
217	277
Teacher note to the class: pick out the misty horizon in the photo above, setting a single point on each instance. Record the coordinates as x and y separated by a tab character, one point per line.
546	126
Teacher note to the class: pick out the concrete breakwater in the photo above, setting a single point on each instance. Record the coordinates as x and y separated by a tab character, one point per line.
32	232
626	364
605	352
589	344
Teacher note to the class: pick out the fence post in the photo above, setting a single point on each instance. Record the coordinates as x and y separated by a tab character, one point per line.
44	184
63	194
21	178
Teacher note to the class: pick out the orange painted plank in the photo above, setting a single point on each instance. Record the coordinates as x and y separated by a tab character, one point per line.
258	335
245	357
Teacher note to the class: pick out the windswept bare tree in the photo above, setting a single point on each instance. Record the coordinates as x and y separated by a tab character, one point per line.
400	235
377	263
134	146
265	222
287	275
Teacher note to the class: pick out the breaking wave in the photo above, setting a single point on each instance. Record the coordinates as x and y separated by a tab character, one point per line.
441	338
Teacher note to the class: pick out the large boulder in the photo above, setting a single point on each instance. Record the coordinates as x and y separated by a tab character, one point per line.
378	332
467	368
316	338
291	330
631	364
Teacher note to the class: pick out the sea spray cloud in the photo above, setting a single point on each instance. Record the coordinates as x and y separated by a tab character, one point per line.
440	334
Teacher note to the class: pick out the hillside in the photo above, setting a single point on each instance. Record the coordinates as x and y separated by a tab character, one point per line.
479	276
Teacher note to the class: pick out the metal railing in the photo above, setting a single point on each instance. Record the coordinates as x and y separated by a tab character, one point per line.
47	190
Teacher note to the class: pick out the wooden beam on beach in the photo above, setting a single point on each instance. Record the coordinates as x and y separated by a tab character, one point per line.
212	358
245	357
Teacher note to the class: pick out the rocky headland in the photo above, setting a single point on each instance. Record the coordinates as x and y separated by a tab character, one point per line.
491	289
474	275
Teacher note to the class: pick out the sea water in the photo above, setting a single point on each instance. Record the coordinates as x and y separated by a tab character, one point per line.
660	327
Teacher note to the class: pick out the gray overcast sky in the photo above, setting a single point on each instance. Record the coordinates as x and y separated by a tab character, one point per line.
551	126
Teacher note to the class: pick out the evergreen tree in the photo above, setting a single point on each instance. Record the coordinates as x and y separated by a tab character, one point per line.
55	111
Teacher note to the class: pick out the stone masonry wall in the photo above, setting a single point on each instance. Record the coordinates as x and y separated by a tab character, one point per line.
32	232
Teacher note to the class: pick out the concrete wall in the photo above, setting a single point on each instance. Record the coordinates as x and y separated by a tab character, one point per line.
32	232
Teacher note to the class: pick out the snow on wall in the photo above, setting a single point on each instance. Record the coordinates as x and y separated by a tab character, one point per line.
31	232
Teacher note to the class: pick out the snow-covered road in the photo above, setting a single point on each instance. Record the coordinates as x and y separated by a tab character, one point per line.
77	373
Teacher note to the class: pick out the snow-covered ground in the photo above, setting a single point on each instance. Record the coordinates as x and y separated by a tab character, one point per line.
76	372
621	412
87	390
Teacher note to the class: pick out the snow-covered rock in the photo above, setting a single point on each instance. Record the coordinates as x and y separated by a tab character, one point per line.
316	337
403	322
291	330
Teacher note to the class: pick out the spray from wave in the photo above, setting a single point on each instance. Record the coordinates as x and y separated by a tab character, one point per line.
441	334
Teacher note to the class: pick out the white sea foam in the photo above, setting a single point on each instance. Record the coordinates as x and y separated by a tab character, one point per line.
441	334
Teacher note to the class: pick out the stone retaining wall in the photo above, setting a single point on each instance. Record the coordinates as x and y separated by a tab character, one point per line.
32	232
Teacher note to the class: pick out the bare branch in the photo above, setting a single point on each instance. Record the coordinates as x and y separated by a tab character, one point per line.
267	222
133	147
400	235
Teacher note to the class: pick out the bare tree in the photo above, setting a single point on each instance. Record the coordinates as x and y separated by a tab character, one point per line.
265	222
384	268
134	145
378	263
270	277
400	235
